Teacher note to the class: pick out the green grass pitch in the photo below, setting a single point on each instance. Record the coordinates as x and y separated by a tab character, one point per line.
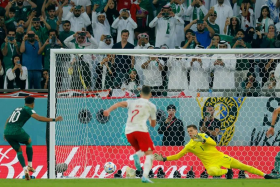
137	182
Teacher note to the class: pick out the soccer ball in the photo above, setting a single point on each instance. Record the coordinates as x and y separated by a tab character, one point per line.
110	167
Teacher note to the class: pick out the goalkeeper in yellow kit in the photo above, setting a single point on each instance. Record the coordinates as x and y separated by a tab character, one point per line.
204	148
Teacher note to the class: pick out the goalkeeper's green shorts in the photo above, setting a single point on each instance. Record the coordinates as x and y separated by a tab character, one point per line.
15	140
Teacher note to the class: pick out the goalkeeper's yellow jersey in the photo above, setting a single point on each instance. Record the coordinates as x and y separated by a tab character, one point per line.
206	152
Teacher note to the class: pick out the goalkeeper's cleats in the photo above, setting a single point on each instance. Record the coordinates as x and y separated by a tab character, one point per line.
130	173
31	169
146	180
229	174
137	162
26	174
270	177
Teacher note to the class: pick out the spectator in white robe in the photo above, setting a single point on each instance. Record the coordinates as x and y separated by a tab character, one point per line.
152	67
86	4
78	18
199	71
143	43
224	11
104	69
100	24
106	42
125	22
214	2
196	11
165	23
83	40
179	10
224	68
177	70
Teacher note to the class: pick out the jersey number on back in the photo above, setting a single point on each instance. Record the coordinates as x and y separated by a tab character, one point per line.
136	112
14	116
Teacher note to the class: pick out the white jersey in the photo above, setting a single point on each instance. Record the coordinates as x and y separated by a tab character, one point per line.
139	111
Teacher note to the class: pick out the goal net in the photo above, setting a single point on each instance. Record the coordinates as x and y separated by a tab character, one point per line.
230	96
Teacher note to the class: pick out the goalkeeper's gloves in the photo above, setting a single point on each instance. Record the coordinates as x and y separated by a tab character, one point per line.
198	138
159	157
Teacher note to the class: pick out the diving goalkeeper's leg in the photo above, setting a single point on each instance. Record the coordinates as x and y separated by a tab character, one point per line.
235	164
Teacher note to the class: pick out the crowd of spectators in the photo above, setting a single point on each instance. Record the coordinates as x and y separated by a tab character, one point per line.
30	28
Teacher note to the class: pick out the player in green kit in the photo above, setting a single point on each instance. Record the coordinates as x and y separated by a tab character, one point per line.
14	134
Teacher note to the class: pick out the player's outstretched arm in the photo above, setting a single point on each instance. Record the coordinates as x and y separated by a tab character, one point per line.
270	131
122	104
159	157
45	119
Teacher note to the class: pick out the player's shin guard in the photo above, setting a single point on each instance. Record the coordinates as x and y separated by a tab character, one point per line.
29	153
148	165
21	159
136	158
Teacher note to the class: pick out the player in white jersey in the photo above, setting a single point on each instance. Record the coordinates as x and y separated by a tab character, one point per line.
136	130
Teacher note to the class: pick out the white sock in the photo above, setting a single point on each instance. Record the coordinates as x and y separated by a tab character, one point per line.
148	165
30	164
140	153
24	169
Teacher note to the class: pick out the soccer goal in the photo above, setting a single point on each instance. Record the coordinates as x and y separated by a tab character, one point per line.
229	94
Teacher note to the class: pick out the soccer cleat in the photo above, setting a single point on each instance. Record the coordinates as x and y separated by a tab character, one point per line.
229	174
137	162
130	173
146	180
26	174
31	169
270	177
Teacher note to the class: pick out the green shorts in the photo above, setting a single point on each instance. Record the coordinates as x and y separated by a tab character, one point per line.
15	140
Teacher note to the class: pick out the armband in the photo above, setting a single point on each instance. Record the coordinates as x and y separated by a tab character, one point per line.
164	159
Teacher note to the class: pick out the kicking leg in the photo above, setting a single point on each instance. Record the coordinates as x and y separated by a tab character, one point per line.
148	166
136	158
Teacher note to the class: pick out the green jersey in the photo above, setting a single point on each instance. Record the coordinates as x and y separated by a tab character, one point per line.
17	120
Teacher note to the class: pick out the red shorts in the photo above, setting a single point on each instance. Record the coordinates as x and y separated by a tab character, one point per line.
140	141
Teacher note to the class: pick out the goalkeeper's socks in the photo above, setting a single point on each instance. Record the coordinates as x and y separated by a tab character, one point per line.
148	165
30	164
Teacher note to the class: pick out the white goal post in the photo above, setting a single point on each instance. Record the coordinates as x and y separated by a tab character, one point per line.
245	53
